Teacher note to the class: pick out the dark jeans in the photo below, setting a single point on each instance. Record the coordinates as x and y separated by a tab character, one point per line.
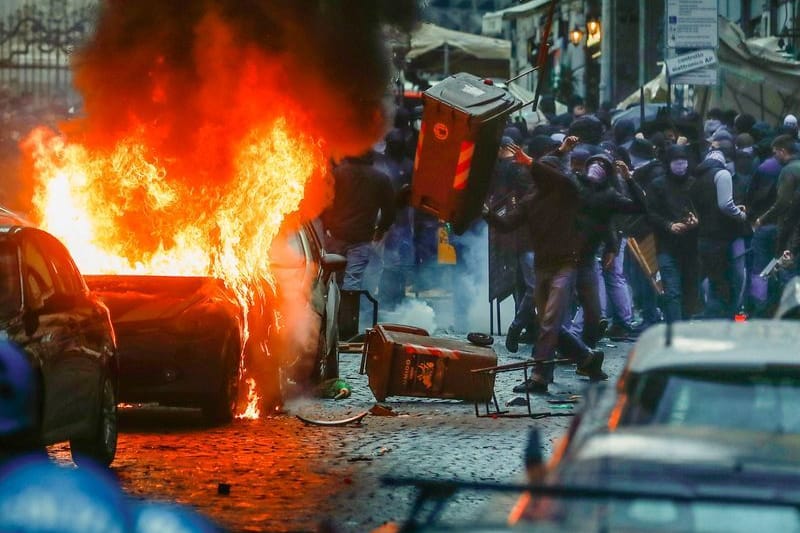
644	294
554	288
525	315
763	293
679	276
715	265
588	295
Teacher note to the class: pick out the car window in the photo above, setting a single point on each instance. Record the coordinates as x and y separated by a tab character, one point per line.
66	276
750	400
10	288
661	515
38	280
287	251
313	245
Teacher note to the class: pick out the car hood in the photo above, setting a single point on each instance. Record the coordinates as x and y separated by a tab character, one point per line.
137	299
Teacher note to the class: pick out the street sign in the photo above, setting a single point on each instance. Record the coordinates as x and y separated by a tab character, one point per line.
692	61
692	24
703	76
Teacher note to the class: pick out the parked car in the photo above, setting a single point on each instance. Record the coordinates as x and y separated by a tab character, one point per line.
705	416
48	311
181	338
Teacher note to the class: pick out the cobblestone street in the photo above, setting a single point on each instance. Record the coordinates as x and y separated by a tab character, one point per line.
286	476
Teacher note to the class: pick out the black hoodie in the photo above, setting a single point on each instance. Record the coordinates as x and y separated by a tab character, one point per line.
669	201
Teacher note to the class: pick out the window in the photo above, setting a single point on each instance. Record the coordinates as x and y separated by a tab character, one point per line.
39	283
747	400
10	289
66	276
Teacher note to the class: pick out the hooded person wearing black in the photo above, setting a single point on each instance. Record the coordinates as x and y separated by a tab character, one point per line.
720	224
672	216
550	212
600	202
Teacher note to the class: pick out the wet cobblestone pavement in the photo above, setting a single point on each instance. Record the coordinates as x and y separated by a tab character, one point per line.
287	476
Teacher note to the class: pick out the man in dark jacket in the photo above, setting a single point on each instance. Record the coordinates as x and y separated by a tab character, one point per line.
363	210
600	201
787	151
671	214
647	168
760	196
398	246
510	182
720	224
550	212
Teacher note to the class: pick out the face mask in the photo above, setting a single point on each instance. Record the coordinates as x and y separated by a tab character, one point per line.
596	173
679	167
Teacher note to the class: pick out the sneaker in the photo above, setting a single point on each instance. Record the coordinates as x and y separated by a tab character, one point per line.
532	385
529	336
592	366
512	338
618	333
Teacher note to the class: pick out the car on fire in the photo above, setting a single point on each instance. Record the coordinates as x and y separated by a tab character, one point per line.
183	341
47	310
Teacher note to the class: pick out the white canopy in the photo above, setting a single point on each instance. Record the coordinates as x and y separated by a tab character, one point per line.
429	37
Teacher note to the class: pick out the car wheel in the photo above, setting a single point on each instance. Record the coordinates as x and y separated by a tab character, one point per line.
101	446
222	406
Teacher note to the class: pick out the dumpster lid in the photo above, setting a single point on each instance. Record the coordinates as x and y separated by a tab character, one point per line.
467	92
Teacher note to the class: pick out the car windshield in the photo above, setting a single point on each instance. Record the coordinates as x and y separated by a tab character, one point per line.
754	400
646	514
10	290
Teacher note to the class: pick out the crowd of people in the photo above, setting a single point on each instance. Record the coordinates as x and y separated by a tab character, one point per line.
716	197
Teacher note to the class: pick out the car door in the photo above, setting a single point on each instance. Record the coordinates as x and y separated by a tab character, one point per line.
56	332
83	361
324	288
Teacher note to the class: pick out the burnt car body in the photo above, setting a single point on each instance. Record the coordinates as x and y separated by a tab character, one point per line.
181	339
48	311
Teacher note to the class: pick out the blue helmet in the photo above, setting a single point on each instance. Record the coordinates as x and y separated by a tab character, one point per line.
38	496
157	517
19	398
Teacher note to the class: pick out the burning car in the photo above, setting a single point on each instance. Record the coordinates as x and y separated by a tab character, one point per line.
182	339
47	310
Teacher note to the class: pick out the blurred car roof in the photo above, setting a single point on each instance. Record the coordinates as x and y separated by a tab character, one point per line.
717	344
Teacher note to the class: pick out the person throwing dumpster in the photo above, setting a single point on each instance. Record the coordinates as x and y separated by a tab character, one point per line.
550	211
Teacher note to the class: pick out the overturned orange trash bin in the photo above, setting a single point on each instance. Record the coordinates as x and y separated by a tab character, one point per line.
406	361
463	118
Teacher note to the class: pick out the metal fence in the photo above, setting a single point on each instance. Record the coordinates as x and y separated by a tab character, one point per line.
37	39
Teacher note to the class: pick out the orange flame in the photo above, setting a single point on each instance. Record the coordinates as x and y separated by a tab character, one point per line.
101	204
251	412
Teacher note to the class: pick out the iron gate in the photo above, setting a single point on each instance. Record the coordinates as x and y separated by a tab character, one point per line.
36	42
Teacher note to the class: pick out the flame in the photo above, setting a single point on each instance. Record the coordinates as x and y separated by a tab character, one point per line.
121	212
251	412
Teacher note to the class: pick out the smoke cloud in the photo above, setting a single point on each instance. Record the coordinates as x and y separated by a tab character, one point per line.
198	75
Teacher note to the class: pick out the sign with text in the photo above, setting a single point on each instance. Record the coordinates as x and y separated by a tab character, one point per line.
692	61
692	24
703	76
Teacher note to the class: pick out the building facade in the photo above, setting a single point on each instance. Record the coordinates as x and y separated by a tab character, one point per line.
629	48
